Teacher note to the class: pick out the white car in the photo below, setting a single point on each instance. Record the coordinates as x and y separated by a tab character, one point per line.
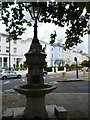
85	69
9	74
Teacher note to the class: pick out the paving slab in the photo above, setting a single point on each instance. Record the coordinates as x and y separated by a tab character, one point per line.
16	113
75	103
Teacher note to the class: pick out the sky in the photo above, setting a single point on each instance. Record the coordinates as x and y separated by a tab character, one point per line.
44	31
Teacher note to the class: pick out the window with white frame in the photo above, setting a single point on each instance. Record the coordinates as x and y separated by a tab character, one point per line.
7	49
15	41
7	40
15	50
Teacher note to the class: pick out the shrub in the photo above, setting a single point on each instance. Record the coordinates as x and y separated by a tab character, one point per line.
60	68
49	69
21	66
24	65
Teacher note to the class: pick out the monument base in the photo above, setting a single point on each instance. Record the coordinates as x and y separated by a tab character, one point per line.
17	113
35	107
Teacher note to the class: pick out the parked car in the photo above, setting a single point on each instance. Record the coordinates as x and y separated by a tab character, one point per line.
9	74
85	69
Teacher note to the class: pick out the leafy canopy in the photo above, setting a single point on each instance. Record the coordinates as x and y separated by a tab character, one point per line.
60	13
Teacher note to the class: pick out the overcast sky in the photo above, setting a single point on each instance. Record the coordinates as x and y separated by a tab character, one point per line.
44	31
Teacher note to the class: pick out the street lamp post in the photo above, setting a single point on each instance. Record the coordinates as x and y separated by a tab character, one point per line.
35	57
75	58
34	11
9	54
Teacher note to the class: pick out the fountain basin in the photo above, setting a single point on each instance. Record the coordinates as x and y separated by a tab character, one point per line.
35	90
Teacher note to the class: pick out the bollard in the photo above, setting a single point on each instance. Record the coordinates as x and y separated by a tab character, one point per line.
63	75
61	112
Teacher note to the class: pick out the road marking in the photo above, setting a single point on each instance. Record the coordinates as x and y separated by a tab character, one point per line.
9	91
16	80
7	82
54	82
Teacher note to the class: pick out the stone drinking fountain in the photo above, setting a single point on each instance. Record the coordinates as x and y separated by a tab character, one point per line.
35	89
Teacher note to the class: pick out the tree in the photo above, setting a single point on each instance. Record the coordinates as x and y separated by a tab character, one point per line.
86	63
60	13
53	36
59	62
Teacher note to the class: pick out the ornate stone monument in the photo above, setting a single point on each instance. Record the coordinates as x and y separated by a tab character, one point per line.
35	89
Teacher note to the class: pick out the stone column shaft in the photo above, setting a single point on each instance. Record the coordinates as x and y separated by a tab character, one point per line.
35	107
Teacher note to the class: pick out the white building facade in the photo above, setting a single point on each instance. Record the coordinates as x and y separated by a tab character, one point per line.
15	54
53	52
18	49
69	56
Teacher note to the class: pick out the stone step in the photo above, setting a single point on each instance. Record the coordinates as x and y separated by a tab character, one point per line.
61	112
54	112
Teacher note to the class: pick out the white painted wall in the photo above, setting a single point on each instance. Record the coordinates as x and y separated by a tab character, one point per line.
13	55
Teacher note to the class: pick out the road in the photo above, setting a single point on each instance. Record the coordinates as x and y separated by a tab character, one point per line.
80	86
58	76
9	84
73	87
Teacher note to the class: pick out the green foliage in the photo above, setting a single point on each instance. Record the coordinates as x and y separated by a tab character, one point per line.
45	66
79	67
67	65
59	62
5	68
54	68
73	65
60	68
49	69
86	63
24	65
16	68
89	63
13	20
60	13
21	66
52	37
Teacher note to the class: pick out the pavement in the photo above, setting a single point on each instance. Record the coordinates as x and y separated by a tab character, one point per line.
75	103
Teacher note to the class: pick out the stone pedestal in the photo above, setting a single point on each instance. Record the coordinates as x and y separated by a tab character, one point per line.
35	108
